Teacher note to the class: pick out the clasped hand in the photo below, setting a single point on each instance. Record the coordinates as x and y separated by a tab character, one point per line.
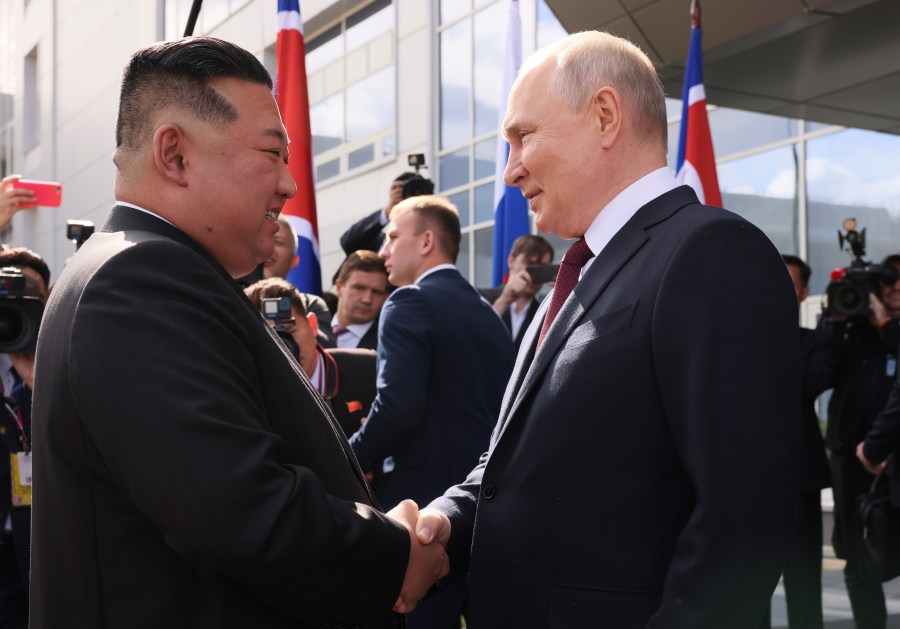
429	533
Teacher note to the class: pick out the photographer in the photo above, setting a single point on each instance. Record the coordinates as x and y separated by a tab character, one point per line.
345	378
367	233
515	299
16	378
866	368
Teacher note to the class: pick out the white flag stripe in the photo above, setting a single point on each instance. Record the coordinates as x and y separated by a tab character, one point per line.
290	20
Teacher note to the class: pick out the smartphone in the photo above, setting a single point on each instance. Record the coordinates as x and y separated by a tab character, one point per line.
542	273
47	193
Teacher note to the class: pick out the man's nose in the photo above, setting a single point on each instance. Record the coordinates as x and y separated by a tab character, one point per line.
286	184
514	169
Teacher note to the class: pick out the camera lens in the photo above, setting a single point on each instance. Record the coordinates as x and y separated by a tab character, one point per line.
12	324
850	299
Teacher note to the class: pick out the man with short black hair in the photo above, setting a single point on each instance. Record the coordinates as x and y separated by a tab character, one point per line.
189	474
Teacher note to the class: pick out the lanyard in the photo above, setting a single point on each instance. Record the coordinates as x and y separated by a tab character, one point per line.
17	418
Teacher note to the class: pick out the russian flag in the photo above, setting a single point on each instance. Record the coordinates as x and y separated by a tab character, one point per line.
696	164
293	101
510	207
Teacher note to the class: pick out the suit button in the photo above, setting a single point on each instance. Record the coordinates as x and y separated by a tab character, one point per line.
488	491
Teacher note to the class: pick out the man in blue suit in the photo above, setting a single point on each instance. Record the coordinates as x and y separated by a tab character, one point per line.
444	358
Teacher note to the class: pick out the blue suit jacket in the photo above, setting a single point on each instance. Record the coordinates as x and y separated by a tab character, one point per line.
444	358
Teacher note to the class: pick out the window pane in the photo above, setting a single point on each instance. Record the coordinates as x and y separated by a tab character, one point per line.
485	158
324	49
372	21
734	130
328	170
763	189
389	145
370	105
361	156
462	260
484	202
326	119
452	9
851	174
490	44
549	29
461	201
456	80
454	169
484	256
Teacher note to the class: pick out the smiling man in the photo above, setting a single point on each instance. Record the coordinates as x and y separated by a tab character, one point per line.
189	475
643	469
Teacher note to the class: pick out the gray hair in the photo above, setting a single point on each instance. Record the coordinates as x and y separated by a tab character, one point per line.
587	61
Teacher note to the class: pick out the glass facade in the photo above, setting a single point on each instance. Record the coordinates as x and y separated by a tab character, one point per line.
795	180
351	71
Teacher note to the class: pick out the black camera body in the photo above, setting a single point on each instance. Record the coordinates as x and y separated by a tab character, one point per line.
848	293
20	312
417	185
278	311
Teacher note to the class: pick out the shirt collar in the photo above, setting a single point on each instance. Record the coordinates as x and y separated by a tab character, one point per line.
625	205
145	211
434	269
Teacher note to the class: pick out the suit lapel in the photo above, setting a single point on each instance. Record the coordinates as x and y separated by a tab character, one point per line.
528	371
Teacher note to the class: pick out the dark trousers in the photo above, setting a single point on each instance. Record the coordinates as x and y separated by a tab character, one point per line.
443	609
13	583
803	568
866	597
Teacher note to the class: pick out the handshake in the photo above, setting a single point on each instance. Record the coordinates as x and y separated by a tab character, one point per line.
429	532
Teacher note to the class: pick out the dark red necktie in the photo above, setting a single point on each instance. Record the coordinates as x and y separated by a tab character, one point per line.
569	270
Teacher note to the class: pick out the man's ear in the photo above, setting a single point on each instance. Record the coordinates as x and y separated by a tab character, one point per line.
606	114
169	145
426	244
803	294
313	322
295	262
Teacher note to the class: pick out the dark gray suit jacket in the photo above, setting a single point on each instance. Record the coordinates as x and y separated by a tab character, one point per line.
187	475
643	472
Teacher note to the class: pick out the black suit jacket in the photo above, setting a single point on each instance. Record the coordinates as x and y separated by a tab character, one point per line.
443	361
370	338
817	368
366	233
20	517
643	472
187	474
349	385
492	294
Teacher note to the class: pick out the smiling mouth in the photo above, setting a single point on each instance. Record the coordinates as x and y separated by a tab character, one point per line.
271	215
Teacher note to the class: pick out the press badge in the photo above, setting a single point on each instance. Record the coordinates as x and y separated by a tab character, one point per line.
20	466
890	368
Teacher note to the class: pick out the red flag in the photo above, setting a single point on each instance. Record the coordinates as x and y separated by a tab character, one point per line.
293	101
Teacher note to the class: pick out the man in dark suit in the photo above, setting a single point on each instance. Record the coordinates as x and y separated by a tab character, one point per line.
16	383
345	378
803	566
515	300
643	471
444	359
361	287
188	473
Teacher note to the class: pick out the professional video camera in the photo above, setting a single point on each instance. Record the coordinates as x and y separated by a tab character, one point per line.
278	311
848	292
20	311
417	185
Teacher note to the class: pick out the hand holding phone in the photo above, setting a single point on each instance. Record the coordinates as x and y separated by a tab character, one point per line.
46	193
542	273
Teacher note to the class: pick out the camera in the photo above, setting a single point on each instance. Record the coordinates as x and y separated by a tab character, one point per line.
850	287
278	311
417	185
78	232
20	311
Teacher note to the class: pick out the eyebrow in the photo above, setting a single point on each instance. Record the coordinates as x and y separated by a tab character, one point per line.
278	133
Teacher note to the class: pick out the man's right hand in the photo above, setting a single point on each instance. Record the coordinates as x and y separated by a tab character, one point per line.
515	287
12	199
878	315
429	532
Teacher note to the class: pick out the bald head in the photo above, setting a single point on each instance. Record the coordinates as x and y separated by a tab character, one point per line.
584	62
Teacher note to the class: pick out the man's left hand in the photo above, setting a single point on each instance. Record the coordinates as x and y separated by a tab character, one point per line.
872	469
